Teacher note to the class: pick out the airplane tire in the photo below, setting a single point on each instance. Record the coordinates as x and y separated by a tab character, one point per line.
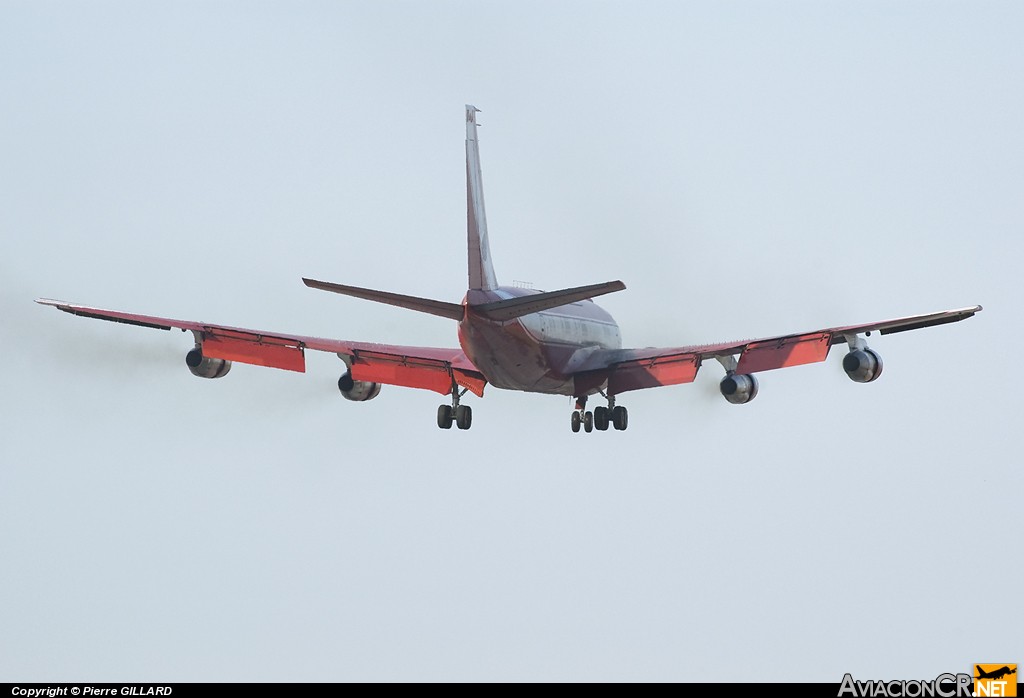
444	416
575	422
588	422
464	416
601	418
620	418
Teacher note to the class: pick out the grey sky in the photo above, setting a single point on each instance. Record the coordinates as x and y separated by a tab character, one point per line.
745	168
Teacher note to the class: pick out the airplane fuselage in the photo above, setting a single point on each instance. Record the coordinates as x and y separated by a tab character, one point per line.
537	352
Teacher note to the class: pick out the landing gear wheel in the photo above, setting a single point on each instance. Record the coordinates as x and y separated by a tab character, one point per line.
620	418
444	416
601	418
588	422
575	422
464	416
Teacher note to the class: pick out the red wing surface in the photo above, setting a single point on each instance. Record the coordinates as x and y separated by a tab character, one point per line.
412	367
634	369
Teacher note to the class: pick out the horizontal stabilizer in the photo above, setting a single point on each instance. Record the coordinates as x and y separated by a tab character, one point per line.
423	305
536	302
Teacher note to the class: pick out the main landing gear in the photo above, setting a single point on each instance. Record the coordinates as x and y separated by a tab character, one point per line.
460	415
600	418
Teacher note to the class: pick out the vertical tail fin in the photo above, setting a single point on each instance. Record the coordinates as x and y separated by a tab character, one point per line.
481	273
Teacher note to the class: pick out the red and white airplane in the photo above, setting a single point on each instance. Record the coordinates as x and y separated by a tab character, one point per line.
555	342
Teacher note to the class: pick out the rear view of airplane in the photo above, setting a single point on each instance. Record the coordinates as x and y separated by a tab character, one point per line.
555	342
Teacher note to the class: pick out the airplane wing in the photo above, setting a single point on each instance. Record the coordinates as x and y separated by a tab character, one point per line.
429	368
634	369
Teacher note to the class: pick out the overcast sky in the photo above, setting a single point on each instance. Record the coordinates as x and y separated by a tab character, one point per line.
746	168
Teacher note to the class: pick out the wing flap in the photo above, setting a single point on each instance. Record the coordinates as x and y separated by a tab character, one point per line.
785	352
414	372
650	373
251	349
472	381
394	373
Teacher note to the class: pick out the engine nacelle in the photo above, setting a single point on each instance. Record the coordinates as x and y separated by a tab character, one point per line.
204	366
357	391
862	365
739	388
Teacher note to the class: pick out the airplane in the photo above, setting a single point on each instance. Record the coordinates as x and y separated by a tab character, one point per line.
555	342
994	674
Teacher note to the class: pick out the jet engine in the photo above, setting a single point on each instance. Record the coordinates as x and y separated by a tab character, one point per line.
738	388
357	391
862	365
204	366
